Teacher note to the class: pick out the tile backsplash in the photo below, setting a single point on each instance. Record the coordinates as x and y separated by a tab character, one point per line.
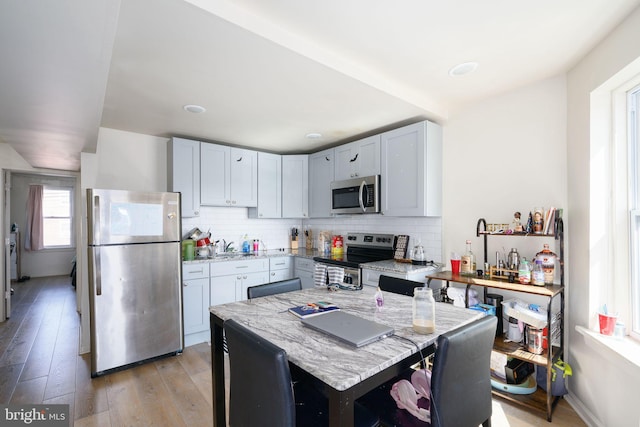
232	224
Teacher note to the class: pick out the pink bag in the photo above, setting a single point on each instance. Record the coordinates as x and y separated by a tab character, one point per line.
406	394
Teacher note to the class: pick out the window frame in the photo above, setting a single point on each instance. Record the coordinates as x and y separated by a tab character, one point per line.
70	190
633	206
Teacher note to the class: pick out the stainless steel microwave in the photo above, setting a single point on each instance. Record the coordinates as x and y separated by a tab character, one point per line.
356	196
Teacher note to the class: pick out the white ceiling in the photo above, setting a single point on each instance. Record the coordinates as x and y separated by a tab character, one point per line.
269	72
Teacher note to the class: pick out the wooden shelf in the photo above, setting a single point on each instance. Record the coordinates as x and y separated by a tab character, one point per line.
513	349
536	401
539	400
493	233
547	290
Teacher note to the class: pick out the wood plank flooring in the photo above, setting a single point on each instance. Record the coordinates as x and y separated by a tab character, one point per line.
39	363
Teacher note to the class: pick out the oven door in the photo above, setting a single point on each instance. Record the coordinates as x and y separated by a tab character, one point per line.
351	279
356	196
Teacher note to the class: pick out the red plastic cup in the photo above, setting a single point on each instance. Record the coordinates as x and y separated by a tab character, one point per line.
607	323
455	266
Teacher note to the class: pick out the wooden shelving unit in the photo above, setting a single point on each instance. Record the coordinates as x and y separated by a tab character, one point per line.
539	400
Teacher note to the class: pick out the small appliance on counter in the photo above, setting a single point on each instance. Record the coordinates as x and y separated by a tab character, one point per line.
418	256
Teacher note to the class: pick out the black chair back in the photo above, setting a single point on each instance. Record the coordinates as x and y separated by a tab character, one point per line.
460	378
398	286
260	391
288	285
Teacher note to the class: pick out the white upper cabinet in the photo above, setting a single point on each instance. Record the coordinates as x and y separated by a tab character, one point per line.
412	170
228	176
244	177
358	158
295	186
269	187
321	173
215	175
184	173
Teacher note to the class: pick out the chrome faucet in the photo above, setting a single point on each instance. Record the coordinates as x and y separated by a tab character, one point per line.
227	247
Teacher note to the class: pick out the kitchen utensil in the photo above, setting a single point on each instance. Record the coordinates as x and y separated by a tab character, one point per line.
194	234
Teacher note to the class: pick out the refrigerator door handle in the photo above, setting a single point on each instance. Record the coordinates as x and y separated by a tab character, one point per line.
97	270
96	220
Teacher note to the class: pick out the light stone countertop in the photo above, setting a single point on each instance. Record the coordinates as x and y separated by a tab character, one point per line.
337	364
273	253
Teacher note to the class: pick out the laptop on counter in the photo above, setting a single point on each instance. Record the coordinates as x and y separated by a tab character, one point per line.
348	328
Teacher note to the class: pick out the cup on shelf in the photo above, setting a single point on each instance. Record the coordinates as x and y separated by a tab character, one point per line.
455	266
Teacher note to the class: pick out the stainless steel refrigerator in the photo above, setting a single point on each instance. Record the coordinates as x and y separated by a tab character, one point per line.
135	273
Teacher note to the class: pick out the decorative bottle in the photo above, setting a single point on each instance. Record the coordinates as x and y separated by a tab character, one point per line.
524	272
424	313
468	262
548	259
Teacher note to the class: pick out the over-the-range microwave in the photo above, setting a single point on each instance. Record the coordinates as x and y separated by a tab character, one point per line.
356	196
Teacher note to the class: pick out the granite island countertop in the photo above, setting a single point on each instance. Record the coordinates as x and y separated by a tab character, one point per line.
337	364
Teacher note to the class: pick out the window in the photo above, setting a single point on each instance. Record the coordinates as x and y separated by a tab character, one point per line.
56	212
634	205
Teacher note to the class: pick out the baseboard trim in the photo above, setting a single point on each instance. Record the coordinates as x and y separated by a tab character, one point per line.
583	412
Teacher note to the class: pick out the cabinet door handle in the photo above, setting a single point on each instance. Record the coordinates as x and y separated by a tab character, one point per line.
240	159
239	277
244	277
242	266
273	274
184	284
201	271
354	159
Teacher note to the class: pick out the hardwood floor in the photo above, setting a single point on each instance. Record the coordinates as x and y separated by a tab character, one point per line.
39	363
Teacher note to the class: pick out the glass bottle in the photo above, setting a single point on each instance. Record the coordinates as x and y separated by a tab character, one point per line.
468	262
524	272
537	276
548	259
424	313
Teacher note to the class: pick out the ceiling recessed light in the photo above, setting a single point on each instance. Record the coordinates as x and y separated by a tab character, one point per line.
194	108
314	135
464	68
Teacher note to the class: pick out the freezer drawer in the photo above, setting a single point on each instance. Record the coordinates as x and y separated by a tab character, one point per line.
136	303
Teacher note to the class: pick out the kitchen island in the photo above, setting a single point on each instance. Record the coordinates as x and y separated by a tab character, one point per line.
352	371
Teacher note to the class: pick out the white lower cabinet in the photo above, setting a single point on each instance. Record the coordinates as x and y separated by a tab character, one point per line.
195	303
223	289
230	279
280	268
304	268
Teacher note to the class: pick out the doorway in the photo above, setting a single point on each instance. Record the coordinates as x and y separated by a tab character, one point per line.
54	259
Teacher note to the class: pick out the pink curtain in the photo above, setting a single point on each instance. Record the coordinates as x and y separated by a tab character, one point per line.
33	239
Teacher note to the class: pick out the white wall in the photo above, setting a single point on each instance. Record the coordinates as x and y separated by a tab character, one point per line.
503	155
602	381
123	161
